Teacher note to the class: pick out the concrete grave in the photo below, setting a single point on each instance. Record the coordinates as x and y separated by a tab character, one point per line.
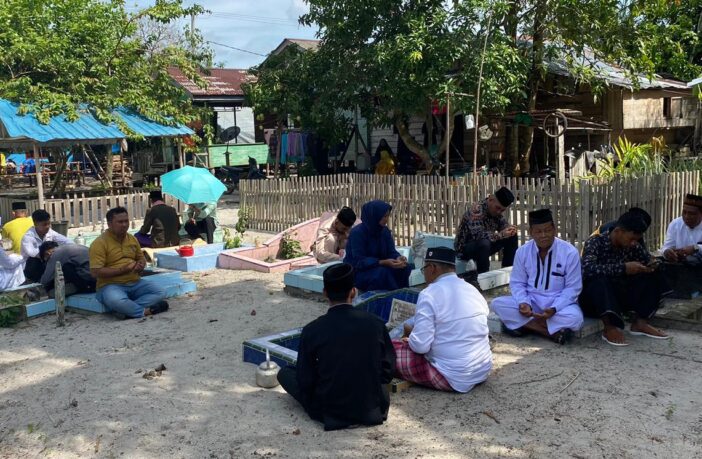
204	258
254	258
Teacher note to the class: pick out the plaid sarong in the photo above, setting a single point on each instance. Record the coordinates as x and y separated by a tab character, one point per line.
411	366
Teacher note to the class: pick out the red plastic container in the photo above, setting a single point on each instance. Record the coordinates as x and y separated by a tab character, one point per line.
186	251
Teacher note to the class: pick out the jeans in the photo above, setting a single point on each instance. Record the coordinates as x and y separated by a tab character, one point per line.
130	299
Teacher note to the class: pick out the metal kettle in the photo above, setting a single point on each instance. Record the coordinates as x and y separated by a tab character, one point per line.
267	373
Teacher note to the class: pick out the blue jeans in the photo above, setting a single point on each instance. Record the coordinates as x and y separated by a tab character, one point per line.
130	299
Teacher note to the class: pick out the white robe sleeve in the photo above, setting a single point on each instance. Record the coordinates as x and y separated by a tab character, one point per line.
29	249
10	260
573	282
60	239
669	242
422	335
519	279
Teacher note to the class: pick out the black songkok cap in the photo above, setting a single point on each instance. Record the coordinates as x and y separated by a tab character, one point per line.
540	216
643	214
19	206
504	196
693	200
338	278
156	195
443	255
346	216
632	221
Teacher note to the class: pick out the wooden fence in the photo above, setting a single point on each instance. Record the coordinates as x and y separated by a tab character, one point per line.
431	204
81	210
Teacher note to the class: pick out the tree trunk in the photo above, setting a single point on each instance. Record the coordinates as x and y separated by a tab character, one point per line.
59	181
413	145
109	166
535	79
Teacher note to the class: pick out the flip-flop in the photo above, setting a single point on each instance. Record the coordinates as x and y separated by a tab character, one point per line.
604	338
648	335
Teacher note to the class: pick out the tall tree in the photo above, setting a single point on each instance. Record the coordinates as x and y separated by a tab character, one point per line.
59	54
393	57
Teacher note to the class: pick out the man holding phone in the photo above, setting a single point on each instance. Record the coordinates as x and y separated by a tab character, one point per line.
116	261
620	276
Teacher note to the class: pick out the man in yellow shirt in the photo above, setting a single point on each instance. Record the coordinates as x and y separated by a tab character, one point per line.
116	261
18	226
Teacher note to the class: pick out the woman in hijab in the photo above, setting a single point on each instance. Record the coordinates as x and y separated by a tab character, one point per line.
371	251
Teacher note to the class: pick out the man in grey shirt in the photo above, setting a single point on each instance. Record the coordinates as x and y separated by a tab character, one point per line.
75	264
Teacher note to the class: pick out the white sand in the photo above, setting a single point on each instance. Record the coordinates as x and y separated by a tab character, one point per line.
77	391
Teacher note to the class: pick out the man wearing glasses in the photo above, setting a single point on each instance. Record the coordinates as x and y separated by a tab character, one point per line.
447	348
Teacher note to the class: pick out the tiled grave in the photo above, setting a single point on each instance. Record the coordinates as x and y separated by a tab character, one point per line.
254	258
204	258
171	281
283	346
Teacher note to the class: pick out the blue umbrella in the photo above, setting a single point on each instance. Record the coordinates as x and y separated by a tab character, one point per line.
192	184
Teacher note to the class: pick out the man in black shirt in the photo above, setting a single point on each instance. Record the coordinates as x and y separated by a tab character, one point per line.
344	362
161	220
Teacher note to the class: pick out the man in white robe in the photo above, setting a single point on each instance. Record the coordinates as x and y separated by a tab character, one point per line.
683	240
545	283
11	270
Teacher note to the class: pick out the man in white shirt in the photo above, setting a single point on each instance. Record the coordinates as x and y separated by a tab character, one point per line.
683	241
545	283
448	347
32	240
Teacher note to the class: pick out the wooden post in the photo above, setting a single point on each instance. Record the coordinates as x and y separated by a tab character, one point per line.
560	152
40	183
181	161
448	134
59	295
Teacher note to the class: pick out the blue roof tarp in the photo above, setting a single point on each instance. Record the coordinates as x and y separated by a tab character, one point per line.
23	130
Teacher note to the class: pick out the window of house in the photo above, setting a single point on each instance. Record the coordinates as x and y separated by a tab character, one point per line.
676	107
667	113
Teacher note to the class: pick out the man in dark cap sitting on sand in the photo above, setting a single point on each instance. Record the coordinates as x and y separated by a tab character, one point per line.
344	362
484	231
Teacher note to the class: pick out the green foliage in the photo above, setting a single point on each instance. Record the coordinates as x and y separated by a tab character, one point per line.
236	239
62	56
290	248
12	308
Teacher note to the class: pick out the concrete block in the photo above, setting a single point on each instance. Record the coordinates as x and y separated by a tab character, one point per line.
40	307
494	323
204	258
494	279
86	302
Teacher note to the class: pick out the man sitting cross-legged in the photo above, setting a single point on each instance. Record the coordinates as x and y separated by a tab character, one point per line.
344	361
448	347
620	276
116	261
545	283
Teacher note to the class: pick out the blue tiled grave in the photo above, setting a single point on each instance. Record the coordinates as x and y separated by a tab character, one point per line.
283	346
171	281
205	257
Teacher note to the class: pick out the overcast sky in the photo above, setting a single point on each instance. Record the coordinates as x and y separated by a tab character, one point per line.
252	25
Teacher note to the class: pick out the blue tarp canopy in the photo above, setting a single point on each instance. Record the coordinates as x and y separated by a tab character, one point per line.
23	131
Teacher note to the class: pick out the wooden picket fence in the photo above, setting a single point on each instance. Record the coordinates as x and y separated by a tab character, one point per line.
81	210
435	205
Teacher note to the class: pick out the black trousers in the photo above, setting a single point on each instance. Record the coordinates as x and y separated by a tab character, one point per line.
206	225
71	276
614	296
34	269
481	250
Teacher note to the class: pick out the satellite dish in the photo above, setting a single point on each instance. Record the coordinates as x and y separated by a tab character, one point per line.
484	133
229	134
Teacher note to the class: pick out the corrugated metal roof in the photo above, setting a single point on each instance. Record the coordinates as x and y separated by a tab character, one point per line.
27	129
220	82
21	130
612	73
148	128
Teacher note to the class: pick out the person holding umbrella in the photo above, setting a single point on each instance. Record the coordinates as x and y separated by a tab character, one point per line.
201	218
198	188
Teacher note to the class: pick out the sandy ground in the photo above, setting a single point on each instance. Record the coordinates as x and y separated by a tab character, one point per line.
79	391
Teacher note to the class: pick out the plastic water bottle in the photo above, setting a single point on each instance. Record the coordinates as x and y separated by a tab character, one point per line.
80	239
